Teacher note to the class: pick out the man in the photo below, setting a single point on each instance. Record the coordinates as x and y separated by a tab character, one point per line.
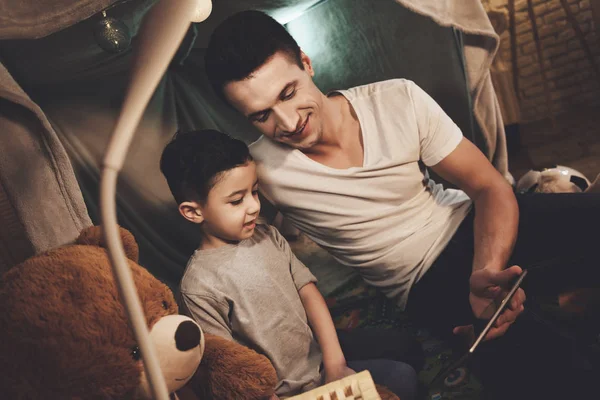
347	169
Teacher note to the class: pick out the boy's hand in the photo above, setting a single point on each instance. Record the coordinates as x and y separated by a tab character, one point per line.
338	373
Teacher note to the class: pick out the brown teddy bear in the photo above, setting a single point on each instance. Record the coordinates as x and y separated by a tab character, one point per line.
65	335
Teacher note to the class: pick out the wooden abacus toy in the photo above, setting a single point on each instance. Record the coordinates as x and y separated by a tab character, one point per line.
359	386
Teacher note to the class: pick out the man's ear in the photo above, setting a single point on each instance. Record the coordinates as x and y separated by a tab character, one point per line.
307	63
192	211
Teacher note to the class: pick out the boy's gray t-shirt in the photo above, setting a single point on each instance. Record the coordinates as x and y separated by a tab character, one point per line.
249	293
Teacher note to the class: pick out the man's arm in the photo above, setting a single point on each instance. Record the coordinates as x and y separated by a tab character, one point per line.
496	210
321	323
495	228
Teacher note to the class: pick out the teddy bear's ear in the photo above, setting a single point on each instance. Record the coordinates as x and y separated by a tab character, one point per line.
93	236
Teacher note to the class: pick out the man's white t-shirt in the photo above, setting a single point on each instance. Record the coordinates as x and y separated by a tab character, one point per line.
386	219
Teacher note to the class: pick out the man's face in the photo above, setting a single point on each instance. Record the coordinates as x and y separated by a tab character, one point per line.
281	100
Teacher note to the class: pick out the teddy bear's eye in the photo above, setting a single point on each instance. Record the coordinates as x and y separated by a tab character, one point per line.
165	305
136	354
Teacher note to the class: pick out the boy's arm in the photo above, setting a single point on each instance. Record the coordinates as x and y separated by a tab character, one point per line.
320	320
317	313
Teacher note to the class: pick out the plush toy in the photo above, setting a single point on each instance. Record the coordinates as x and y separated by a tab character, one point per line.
557	179
65	335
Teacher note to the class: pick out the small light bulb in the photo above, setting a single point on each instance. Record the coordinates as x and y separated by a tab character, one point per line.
112	35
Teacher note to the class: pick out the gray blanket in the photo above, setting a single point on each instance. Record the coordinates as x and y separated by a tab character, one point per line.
481	45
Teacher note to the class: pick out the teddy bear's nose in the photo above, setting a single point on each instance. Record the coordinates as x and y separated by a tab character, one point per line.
187	336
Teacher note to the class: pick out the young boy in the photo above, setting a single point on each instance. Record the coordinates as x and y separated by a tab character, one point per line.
244	283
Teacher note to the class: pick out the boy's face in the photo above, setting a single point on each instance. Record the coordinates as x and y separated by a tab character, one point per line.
232	206
281	100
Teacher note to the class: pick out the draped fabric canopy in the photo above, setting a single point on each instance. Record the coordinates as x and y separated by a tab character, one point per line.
33	19
66	77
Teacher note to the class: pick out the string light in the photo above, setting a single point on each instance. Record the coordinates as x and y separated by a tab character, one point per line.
111	34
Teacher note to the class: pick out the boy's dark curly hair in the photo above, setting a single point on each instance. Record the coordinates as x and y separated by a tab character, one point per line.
193	162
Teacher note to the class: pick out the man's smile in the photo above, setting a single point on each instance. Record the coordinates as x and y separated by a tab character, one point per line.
298	132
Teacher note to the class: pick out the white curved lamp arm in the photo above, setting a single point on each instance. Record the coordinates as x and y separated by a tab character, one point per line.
160	35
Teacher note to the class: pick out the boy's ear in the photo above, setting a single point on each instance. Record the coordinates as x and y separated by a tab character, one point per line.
192	211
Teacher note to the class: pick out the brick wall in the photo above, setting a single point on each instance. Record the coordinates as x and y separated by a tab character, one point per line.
571	79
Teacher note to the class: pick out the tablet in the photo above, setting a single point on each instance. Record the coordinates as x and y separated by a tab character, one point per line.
501	308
